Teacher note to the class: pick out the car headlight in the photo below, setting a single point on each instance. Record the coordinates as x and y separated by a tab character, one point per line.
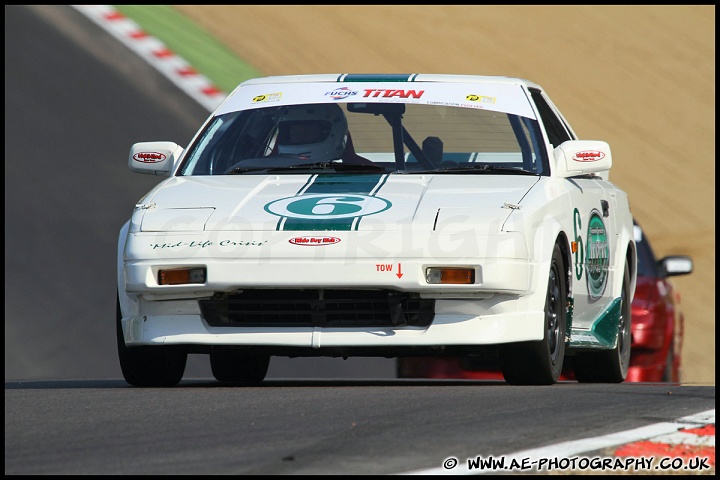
450	275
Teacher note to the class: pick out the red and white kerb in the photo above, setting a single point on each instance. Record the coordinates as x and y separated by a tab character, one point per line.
175	68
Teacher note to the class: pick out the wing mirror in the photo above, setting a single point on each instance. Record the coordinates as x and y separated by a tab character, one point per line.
581	157
154	158
674	265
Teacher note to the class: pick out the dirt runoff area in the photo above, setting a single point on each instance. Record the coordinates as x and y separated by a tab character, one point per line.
641	78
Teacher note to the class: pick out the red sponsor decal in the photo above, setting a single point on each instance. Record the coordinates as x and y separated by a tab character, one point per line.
589	156
314	241
390	93
149	157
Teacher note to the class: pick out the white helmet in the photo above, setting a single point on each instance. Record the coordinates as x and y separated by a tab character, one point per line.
315	131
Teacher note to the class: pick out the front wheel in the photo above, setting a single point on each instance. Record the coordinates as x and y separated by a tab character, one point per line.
610	366
161	366
541	362
236	367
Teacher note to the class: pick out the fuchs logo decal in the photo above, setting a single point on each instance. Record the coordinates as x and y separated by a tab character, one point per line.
342	92
327	206
149	157
589	156
314	241
598	255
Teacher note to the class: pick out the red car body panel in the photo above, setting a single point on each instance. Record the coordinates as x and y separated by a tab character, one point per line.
657	332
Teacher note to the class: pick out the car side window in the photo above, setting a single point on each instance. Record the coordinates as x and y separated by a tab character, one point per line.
554	126
646	263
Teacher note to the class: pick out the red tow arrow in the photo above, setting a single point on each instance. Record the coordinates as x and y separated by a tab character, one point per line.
399	274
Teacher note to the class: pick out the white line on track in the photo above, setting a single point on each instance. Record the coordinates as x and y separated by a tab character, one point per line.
587	445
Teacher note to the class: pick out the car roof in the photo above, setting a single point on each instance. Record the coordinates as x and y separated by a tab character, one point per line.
390	77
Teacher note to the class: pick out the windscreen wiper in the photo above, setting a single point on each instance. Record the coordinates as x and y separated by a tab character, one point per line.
476	168
332	166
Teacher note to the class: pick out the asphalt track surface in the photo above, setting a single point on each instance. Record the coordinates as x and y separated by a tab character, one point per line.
75	100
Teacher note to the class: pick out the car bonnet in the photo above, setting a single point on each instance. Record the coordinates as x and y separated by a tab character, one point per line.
440	203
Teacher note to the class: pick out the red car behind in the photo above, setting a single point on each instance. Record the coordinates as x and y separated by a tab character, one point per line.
657	330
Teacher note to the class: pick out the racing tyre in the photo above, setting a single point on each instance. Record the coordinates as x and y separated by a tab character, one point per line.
160	366
541	362
610	366
236	367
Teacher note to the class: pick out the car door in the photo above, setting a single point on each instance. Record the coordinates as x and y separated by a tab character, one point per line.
595	244
594	226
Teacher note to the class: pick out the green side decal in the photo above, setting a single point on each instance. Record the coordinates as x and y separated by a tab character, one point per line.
598	255
604	331
594	253
580	252
606	328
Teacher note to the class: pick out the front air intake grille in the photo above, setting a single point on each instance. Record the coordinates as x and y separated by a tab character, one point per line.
319	308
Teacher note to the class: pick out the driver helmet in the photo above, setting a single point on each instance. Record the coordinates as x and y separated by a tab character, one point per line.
315	131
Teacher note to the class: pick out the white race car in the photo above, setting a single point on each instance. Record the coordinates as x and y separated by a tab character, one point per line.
378	215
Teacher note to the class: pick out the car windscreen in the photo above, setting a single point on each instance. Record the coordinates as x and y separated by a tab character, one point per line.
388	137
